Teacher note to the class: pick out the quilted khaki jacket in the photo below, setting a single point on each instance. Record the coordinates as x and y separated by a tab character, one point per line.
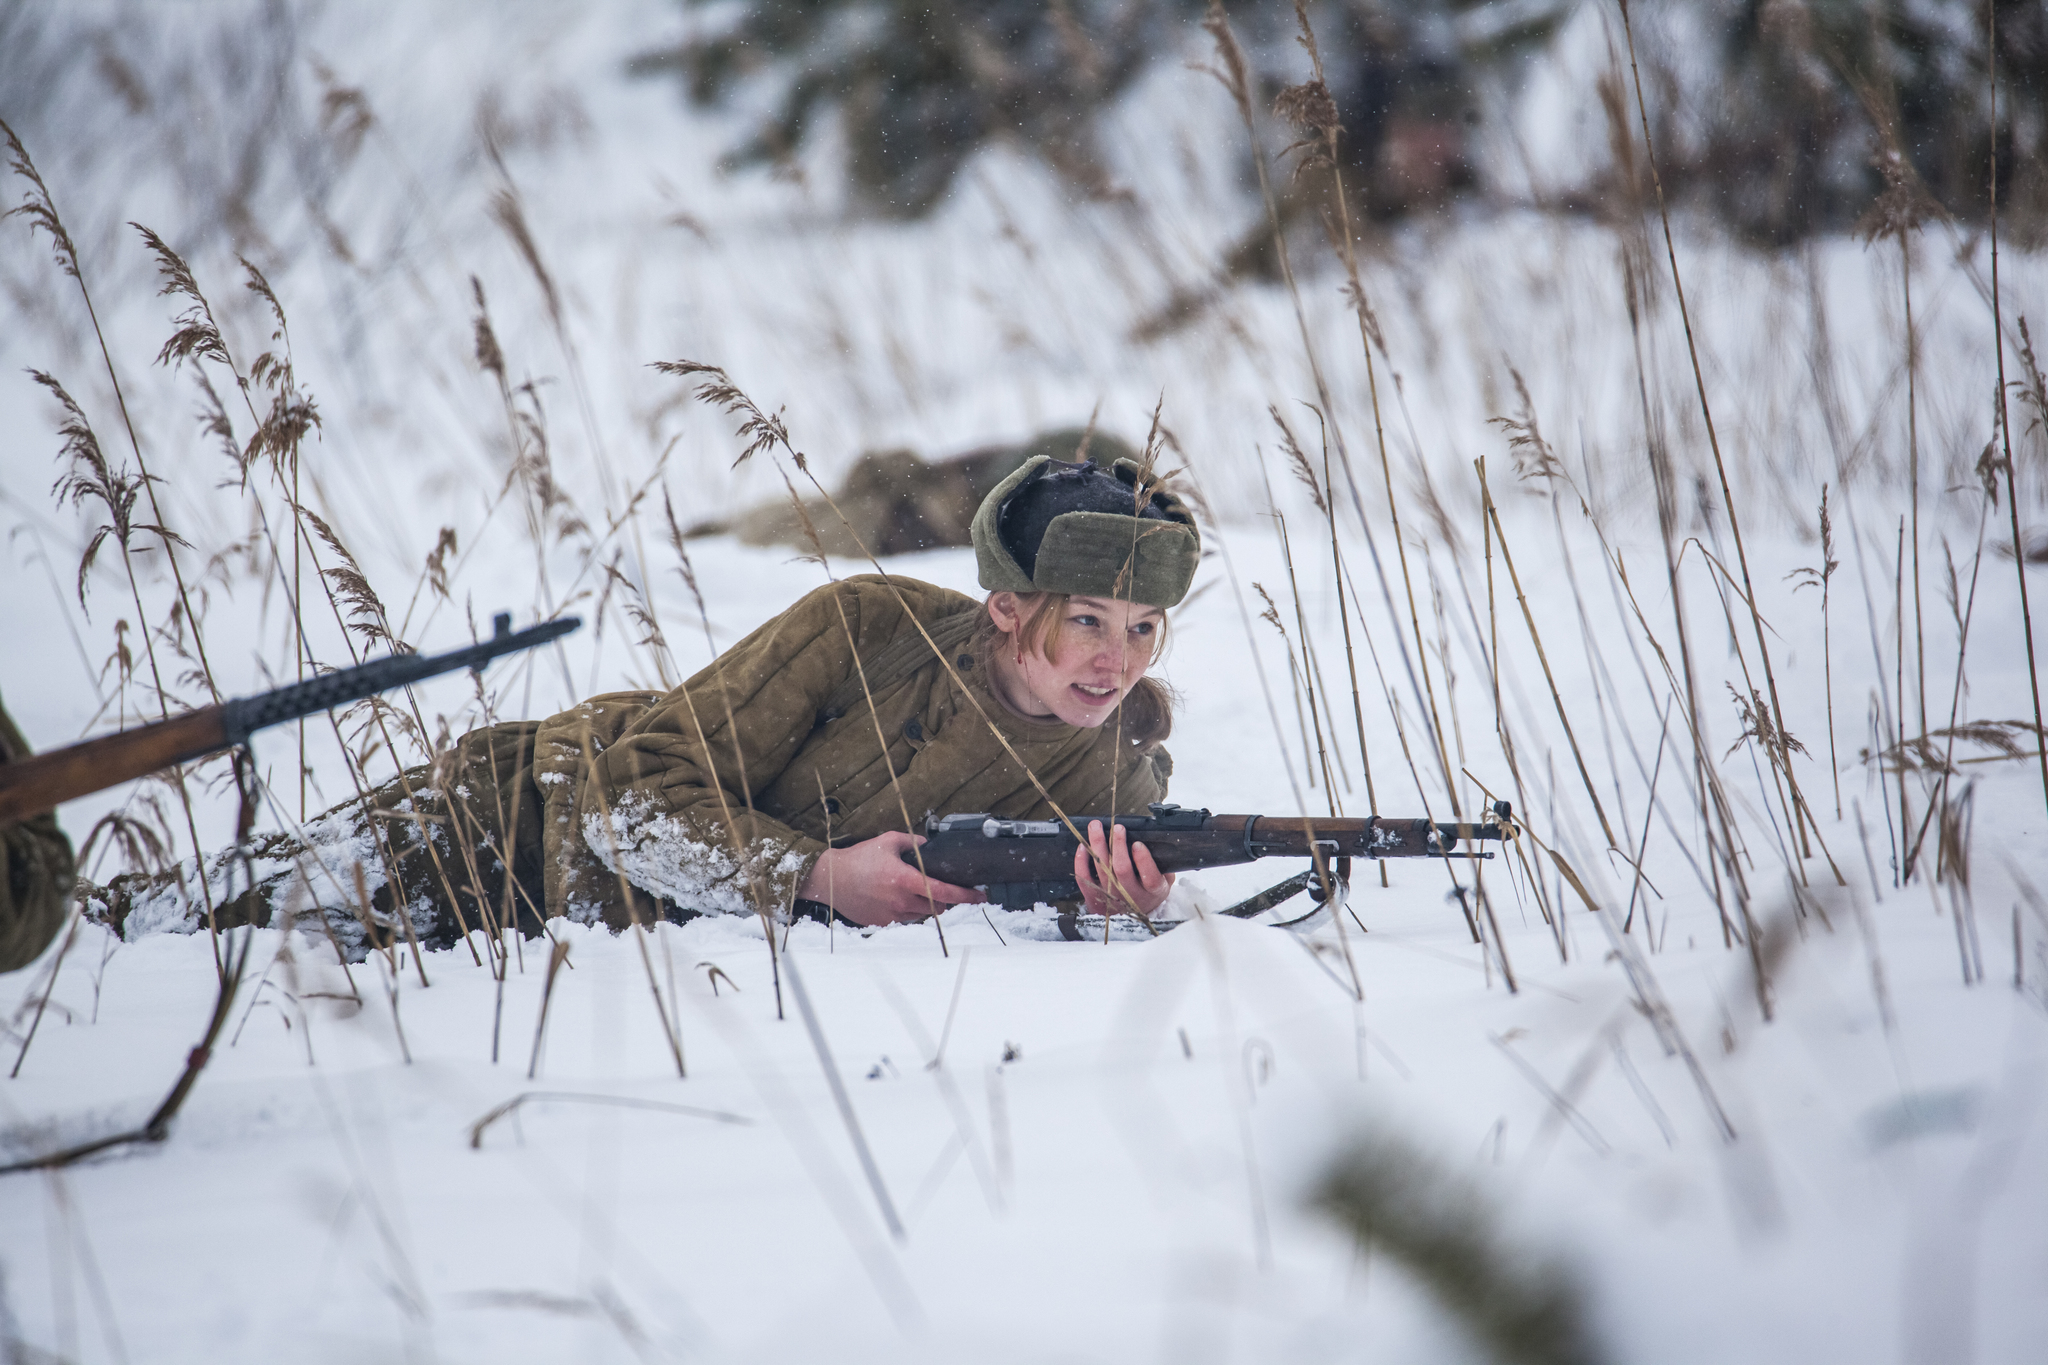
748	745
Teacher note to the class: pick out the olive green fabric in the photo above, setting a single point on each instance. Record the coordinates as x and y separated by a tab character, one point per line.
1099	554
617	809
35	891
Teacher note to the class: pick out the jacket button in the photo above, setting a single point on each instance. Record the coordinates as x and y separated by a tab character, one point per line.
914	728
831	805
965	661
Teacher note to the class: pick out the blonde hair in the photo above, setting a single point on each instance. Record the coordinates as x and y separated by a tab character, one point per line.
1147	707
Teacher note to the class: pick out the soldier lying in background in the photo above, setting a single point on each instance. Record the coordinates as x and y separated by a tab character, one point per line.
40	875
898	503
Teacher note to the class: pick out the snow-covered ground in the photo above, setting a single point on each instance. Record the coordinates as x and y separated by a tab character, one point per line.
1114	1156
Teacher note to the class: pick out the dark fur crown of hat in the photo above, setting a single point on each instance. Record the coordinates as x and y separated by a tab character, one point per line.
1056	526
1059	487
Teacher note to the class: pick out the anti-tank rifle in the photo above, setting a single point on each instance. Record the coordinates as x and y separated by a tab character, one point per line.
1021	863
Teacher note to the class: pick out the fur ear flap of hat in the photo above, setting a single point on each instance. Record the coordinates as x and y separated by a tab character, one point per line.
1053	526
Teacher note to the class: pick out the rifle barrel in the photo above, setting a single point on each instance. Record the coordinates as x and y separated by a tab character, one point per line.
45	781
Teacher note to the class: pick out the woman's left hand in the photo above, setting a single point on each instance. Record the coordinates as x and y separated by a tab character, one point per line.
1134	883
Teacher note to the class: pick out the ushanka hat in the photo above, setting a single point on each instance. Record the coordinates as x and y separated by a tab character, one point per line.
1055	526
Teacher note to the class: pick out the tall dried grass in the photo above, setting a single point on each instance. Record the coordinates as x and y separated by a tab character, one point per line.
587	538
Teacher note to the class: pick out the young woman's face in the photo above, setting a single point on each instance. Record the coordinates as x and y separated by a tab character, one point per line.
1104	648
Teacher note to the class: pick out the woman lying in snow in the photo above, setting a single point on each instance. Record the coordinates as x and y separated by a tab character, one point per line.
795	767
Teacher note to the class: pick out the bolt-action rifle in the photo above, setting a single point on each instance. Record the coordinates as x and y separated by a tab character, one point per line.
1021	863
45	781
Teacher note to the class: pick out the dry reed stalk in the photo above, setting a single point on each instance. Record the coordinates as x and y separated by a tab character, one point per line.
671	1026
158	1126
305	886
1636	885
1664	481
1913	461
1801	815
1494	942
557	956
1965	613
1314	112
532	476
92	476
882	740
757	891
1822	578
498	955
1725	854
1443	651
520	1101
1905	868
965	1139
1318	491
671	1029
1597	672
1501	731
357	905
40	208
1656	1007
1309	677
2012	494
1717	815
1294	673
508	213
362	908
831	877
1536	637
508	914
1315	663
952	1009
1338	577
49	986
837	1084
1215	532
1393	705
2019	961
1756	720
1235	78
277	437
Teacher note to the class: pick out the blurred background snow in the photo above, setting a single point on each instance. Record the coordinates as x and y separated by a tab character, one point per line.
940	228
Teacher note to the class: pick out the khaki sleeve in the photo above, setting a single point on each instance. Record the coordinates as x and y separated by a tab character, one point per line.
669	806
39	875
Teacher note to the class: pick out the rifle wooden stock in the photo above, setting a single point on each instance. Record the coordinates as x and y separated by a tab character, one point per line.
43	782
